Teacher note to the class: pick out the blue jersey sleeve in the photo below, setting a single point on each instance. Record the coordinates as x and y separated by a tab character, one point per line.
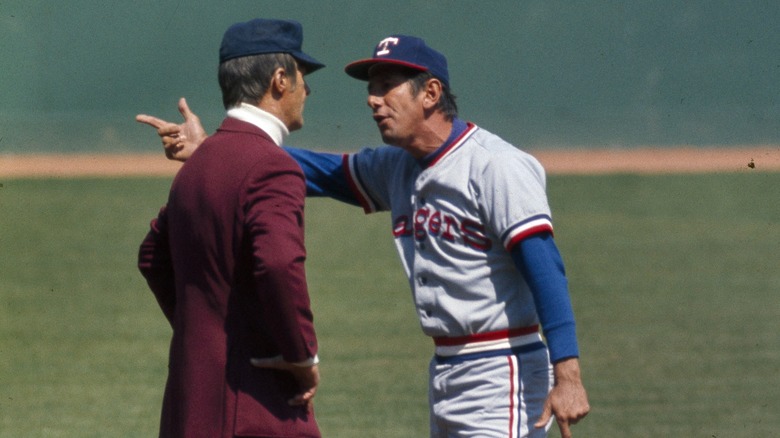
537	257
325	174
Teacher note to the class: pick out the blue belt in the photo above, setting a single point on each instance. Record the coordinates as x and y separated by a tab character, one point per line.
491	353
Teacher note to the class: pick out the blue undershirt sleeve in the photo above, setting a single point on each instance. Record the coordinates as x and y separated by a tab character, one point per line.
324	174
537	257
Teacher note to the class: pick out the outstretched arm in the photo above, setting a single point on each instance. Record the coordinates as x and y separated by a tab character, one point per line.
179	141
324	172
325	175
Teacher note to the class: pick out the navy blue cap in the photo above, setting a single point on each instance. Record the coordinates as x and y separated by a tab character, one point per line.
403	50
260	36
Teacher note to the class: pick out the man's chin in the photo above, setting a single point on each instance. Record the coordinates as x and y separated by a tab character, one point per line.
387	137
387	140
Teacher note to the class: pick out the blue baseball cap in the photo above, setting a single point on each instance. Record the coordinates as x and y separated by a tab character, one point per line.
261	36
406	51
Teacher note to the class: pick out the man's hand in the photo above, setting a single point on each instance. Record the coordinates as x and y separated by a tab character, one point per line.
308	377
568	400
179	141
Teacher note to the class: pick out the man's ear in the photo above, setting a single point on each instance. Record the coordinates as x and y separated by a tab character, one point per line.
433	92
280	82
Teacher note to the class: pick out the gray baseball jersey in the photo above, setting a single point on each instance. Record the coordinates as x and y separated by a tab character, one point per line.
454	218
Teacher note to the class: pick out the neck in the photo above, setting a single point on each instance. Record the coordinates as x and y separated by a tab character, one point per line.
431	135
261	118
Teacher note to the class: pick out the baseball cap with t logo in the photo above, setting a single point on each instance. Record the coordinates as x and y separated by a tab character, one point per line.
406	51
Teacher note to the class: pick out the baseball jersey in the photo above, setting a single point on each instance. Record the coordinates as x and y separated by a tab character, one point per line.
468	221
455	215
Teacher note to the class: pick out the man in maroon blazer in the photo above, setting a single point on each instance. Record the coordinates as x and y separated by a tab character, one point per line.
225	256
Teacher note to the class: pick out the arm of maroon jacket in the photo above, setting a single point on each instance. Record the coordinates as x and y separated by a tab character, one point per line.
274	220
154	262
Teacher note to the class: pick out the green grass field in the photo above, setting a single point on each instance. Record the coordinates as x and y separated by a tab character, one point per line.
674	279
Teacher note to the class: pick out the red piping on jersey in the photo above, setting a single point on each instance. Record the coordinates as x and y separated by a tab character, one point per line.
444	341
455	143
353	185
544	228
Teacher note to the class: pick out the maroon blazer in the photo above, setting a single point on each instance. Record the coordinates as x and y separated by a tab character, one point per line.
225	260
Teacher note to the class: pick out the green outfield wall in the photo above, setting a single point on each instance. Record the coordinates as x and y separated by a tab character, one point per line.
540	73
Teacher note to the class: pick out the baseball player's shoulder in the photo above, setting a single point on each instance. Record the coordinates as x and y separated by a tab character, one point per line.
494	150
385	152
383	157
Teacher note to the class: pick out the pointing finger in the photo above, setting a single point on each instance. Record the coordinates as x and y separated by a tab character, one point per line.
152	121
564	428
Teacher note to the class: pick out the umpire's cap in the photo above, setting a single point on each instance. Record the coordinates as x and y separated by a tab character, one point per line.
404	50
261	35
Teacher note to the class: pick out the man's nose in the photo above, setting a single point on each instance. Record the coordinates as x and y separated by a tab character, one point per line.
373	101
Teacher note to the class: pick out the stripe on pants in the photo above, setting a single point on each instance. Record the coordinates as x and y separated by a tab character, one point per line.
514	402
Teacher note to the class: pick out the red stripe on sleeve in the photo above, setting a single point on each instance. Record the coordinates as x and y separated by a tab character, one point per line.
353	185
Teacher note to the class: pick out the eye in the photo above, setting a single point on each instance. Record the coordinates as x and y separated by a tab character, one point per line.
378	88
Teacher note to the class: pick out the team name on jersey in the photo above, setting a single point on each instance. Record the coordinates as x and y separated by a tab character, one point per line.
427	222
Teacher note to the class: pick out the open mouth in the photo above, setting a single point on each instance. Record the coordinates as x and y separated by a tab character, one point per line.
380	120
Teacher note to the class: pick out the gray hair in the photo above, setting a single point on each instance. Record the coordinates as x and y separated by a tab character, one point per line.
246	79
446	103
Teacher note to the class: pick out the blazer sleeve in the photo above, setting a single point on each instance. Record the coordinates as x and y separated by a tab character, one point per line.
154	262
274	205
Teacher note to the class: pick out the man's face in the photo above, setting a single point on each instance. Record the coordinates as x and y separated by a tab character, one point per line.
396	111
293	108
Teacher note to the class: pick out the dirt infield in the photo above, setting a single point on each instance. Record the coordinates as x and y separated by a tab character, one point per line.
586	161
661	160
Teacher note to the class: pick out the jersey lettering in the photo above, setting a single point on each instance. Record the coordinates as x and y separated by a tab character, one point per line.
449	223
401	227
442	226
474	235
434	224
420	219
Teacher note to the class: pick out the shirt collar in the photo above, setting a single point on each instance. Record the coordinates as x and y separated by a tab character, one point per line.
459	127
264	120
